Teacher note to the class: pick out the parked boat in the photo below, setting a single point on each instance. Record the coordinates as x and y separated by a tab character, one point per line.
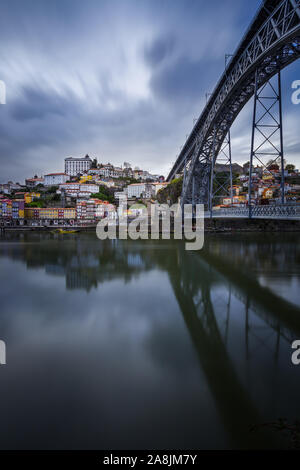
61	230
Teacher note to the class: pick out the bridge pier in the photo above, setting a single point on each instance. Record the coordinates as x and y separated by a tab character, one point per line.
266	131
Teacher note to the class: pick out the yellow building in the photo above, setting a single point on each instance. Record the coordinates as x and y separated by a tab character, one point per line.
69	213
50	213
32	212
28	197
85	178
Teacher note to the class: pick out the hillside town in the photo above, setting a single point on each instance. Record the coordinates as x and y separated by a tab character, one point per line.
266	185
87	191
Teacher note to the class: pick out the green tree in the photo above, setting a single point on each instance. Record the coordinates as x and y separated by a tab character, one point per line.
39	203
94	163
171	192
52	189
290	167
104	193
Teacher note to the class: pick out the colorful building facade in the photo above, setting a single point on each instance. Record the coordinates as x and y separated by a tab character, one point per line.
50	213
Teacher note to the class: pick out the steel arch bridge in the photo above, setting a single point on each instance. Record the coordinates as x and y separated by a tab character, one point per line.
271	43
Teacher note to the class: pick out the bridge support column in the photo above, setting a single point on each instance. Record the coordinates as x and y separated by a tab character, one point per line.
221	181
211	186
266	139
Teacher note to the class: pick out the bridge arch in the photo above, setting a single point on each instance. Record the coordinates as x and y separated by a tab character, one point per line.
271	43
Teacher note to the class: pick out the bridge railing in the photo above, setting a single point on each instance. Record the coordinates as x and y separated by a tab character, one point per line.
282	211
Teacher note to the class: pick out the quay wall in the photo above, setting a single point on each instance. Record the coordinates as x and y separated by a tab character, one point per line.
211	225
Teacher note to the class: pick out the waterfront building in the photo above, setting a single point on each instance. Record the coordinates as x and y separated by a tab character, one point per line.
18	206
50	213
85	210
32	212
77	165
5	208
55	179
94	209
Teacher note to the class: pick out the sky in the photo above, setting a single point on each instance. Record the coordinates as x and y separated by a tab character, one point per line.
120	80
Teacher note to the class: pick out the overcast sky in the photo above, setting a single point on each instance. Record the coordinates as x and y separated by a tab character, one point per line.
121	80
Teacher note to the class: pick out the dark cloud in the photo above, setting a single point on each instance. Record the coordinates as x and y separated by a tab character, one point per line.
36	104
184	79
159	50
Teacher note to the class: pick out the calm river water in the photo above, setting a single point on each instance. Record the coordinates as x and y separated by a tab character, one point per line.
141	344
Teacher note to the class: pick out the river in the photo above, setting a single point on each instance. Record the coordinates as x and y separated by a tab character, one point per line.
142	345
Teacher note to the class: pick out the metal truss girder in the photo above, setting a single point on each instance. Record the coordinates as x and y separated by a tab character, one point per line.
230	110
221	185
267	137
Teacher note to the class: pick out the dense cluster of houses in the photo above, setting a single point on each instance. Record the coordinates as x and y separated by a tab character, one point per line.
77	190
266	187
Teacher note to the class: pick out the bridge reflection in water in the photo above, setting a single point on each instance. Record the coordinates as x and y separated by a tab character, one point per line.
201	312
240	325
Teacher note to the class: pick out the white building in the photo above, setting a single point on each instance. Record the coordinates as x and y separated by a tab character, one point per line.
108	184
109	171
74	189
158	186
140	190
32	182
7	188
55	179
75	165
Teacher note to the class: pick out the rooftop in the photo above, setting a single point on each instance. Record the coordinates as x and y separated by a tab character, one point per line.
78	158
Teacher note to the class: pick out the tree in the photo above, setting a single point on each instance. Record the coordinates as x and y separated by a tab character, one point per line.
290	167
104	193
273	166
276	161
52	189
171	192
94	163
39	203
246	167
102	197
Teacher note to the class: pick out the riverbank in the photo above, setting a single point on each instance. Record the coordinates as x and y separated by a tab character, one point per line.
211	225
251	225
